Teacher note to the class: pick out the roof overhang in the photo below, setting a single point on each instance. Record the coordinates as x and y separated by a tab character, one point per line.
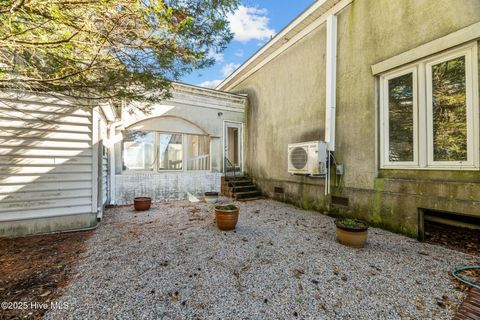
306	22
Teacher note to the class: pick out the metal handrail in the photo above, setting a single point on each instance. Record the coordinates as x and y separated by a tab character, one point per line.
231	165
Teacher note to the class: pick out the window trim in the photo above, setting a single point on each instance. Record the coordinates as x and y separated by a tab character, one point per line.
424	145
470	162
385	124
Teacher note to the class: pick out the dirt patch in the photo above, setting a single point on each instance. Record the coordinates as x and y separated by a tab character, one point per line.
456	238
35	270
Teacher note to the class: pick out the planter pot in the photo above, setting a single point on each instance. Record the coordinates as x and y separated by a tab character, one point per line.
142	203
226	219
211	197
354	237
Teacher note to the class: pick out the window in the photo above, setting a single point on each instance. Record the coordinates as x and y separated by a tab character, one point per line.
429	113
170	152
138	150
198	154
144	150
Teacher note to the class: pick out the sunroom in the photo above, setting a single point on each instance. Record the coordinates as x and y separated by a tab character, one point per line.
177	149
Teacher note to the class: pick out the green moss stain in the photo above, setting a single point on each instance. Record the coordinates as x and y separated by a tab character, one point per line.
377	202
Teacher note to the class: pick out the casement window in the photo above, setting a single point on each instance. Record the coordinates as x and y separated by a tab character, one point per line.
158	151
429	113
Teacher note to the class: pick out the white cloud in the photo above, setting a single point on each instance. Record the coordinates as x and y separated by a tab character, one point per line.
250	23
239	53
217	56
229	68
210	84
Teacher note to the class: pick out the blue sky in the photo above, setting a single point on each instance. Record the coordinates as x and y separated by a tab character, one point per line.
254	22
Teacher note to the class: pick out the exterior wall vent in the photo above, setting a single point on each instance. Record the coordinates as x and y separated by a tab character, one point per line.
340	201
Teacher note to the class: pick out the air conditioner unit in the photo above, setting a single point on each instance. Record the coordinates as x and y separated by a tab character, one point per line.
308	158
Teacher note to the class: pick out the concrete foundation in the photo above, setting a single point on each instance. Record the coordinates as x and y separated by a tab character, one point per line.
21	228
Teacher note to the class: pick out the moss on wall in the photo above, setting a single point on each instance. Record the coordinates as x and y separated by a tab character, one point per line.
287	105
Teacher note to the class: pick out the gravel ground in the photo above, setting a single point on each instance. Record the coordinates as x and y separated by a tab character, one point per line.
280	263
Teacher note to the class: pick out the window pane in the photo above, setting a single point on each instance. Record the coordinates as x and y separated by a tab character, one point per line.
400	118
198	152
138	150
449	111
171	152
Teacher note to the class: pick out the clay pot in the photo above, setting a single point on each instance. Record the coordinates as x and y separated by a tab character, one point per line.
211	197
226	219
142	203
354	237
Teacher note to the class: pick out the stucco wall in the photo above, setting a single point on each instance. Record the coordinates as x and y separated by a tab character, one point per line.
287	103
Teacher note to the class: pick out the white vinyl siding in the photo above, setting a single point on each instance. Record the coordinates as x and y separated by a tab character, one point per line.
45	157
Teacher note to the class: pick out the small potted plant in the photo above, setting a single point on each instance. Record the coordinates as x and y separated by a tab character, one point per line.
351	232
226	216
211	197
142	203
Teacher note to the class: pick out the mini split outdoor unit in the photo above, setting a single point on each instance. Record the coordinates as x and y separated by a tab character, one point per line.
308	158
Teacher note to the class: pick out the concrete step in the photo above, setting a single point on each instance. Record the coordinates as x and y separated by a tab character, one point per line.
246	194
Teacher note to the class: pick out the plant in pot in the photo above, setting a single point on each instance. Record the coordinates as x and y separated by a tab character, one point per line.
226	216
211	197
351	232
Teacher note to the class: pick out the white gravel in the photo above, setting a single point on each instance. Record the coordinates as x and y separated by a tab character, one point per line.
281	262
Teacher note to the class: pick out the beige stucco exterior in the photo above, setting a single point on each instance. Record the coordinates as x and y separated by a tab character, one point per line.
287	105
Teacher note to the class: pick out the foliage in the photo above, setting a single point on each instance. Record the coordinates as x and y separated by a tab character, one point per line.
108	49
228	207
449	111
400	109
349	223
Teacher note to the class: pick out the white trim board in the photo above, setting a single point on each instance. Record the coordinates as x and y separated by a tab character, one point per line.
252	65
453	39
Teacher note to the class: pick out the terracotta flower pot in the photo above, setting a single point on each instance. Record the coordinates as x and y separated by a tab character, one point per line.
226	218
142	203
211	197
354	233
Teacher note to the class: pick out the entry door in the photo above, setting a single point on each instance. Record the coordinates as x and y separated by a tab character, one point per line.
233	146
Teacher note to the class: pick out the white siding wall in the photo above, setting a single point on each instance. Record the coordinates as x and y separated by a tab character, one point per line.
45	157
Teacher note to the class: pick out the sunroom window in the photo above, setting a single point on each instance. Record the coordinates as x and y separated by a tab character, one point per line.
138	150
145	151
170	152
429	113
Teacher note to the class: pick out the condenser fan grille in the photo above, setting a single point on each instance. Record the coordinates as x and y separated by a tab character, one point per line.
298	158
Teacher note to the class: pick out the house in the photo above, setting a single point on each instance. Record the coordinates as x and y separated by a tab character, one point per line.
63	160
392	87
53	162
178	149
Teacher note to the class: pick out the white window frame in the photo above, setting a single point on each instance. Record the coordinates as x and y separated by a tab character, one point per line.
423	130
385	124
470	106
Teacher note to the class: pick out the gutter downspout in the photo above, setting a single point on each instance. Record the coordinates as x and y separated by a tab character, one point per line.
111	161
330	83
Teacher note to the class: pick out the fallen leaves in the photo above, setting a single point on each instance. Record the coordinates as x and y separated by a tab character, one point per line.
297	273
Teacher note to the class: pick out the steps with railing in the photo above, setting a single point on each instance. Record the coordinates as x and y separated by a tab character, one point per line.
237	185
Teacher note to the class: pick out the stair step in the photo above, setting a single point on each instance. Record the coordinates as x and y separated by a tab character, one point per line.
236	189
236	178
240	183
246	194
251	199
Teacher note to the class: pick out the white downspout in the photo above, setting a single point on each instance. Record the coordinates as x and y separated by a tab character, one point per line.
330	92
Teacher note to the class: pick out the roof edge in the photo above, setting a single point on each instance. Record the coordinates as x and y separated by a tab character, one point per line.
321	6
